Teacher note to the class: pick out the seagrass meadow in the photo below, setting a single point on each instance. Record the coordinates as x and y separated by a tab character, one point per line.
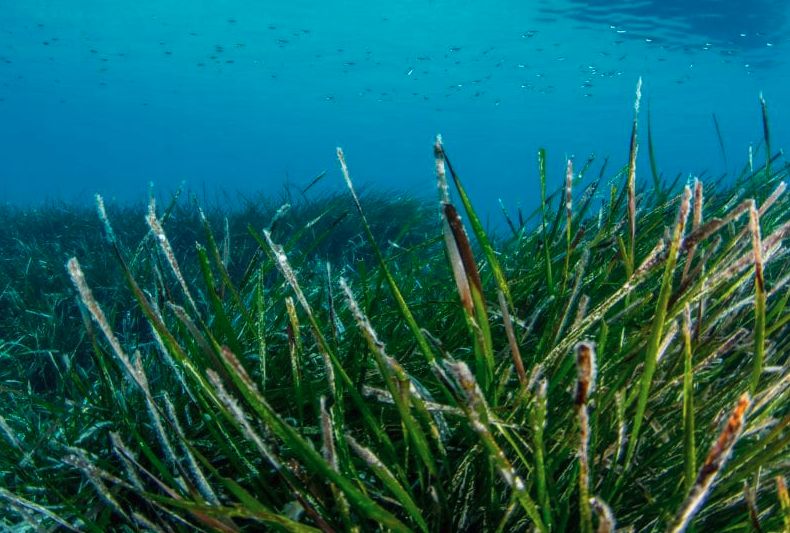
617	359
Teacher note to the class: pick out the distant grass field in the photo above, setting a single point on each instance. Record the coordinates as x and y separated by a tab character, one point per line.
616	359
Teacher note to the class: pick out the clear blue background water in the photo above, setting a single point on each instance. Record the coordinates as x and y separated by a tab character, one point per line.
105	96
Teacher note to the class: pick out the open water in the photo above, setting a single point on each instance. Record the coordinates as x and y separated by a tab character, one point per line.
106	96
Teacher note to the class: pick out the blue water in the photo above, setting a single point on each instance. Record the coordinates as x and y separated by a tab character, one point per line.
105	96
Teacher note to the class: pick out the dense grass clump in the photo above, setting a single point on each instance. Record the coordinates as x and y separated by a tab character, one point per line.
619	359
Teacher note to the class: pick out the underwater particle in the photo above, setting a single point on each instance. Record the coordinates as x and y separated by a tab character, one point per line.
231	21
